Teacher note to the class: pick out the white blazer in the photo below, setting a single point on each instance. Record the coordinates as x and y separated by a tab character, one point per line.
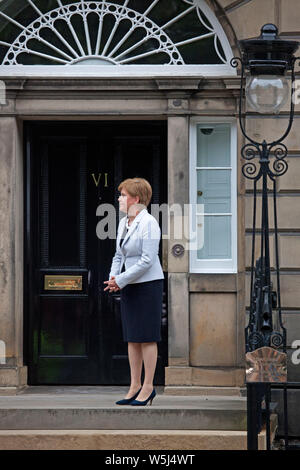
139	251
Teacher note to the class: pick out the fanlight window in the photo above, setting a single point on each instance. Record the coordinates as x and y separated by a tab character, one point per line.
112	32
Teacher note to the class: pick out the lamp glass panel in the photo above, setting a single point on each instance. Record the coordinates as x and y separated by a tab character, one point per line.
267	93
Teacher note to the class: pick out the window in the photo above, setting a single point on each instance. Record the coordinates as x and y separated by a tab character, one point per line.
213	198
182	34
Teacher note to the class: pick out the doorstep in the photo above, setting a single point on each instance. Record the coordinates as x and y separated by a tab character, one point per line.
56	408
81	417
126	440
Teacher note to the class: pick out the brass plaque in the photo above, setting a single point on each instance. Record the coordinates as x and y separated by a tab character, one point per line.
59	282
266	365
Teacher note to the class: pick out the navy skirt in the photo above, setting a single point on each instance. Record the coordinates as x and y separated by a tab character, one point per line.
141	309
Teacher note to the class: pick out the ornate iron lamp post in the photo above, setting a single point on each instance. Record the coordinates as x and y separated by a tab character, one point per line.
267	67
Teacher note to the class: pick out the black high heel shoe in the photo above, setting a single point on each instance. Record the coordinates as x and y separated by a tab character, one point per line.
127	401
144	403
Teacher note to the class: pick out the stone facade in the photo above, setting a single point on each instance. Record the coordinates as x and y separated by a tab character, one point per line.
206	312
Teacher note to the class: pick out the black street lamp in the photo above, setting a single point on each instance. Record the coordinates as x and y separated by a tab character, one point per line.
267	80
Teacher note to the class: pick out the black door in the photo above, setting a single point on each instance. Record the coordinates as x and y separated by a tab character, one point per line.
72	328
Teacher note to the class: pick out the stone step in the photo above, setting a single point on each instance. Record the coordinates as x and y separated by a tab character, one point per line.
190	390
215	415
126	440
94	408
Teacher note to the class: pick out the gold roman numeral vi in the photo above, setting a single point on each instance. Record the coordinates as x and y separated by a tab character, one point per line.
97	181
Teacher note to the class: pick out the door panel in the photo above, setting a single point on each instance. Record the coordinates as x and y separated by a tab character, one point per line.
133	152
72	331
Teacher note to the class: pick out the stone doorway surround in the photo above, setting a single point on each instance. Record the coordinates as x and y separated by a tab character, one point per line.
174	100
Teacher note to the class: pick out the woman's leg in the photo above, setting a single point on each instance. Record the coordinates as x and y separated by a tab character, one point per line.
136	362
149	354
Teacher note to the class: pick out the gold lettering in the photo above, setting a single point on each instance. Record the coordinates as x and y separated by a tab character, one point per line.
96	182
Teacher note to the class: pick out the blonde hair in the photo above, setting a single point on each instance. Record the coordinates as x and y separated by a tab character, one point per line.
137	187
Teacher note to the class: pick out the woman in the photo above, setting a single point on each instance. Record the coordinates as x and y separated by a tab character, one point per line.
140	285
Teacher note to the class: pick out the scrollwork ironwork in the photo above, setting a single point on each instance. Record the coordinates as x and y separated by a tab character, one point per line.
235	62
280	167
256	340
276	339
280	150
251	171
250	151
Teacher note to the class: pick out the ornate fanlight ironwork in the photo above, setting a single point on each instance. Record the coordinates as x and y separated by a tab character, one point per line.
84	32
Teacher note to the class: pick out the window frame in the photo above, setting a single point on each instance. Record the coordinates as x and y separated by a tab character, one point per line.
213	266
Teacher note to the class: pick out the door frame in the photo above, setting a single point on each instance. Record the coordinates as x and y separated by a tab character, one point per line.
28	234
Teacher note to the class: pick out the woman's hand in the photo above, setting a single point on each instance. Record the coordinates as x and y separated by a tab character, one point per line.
112	285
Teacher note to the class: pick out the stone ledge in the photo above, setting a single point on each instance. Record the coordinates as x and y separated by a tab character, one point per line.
205	376
8	391
207	391
125	440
